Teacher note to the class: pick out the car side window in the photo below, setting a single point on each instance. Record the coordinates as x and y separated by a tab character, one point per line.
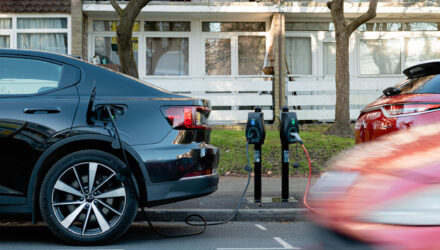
24	76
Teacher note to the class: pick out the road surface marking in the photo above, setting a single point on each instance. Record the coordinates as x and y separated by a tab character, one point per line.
278	239
283	243
261	227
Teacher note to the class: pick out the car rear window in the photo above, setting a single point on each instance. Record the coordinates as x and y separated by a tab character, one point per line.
420	85
23	76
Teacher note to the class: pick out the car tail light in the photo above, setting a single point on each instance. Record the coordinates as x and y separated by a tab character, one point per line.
408	109
187	117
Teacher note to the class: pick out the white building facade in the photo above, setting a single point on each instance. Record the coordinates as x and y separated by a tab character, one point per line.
217	50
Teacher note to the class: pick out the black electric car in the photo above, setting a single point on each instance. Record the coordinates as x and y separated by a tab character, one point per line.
60	157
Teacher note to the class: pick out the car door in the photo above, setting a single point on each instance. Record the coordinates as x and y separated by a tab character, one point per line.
38	100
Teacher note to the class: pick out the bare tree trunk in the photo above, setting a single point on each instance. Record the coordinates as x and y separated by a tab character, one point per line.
341	126
124	34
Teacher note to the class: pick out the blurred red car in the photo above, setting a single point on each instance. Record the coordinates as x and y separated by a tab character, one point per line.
384	194
413	102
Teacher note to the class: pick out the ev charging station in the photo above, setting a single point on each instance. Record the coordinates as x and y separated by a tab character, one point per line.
255	134
289	134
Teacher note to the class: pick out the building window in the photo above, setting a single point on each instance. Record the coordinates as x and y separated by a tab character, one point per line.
380	27
5	42
393	26
380	56
251	53
218	56
299	55
419	49
421	26
230	51
167	26
42	23
167	56
106	50
233	26
37	33
101	25
302	26
329	58
5	23
51	42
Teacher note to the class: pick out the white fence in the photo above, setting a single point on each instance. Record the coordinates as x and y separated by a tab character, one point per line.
315	99
231	98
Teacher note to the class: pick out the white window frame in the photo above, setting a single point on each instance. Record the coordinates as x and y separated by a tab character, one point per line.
396	35
142	36
110	36
156	34
196	40
233	36
14	31
315	46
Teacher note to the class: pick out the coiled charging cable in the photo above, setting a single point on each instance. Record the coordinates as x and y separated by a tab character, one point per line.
188	221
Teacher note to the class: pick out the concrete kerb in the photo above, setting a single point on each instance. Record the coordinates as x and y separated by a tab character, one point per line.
276	214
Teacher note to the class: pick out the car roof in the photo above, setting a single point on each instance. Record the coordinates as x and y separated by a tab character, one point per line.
38	53
425	68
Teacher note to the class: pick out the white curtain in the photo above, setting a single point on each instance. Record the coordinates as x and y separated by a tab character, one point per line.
42	23
4	42
329	58
51	42
5	23
299	55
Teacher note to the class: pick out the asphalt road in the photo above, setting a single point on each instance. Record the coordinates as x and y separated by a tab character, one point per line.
236	235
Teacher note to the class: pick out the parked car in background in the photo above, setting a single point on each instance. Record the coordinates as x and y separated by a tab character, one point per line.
60	159
413	102
382	195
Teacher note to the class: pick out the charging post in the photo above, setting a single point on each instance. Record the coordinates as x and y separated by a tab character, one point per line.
289	133
255	134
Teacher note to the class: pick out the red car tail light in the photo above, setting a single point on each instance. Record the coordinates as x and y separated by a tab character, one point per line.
187	117
408	109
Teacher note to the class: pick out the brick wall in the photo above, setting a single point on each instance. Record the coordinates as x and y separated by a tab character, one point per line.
77	28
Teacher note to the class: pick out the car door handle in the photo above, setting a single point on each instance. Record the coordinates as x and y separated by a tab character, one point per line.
51	110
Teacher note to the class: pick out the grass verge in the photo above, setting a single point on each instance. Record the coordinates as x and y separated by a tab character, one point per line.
321	148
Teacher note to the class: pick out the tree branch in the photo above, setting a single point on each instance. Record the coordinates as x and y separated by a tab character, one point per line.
116	7
370	14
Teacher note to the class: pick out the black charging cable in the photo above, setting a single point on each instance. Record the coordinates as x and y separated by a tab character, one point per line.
188	220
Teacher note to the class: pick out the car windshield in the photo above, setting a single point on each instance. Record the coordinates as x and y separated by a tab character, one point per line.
420	85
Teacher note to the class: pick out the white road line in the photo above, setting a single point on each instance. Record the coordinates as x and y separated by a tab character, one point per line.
261	227
278	239
284	244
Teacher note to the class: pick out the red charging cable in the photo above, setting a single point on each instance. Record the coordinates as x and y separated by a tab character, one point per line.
308	182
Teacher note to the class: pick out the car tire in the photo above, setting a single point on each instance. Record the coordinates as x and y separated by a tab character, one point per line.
85	198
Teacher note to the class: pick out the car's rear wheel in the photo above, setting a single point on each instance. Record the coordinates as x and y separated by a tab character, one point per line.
84	200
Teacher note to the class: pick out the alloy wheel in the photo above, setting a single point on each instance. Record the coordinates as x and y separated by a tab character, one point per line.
88	199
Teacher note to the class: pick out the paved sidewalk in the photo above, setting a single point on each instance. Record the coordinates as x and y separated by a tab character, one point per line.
221	204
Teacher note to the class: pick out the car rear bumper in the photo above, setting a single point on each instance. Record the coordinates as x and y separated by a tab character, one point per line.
179	171
186	188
